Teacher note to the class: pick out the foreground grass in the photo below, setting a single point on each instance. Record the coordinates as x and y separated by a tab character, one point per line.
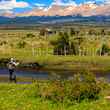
23	97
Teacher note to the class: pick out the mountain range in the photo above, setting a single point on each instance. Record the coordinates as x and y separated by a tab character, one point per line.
36	20
83	13
88	9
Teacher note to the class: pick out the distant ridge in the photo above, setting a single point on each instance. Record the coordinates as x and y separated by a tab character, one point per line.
52	20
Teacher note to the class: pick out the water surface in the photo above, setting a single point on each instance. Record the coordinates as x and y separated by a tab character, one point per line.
44	75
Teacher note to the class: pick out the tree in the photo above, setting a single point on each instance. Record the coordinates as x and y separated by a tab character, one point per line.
103	32
104	49
91	32
43	32
72	32
21	44
64	45
30	35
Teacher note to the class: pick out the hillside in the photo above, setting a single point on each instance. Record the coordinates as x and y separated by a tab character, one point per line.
42	20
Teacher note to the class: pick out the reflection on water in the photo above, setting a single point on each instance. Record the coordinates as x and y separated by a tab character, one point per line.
25	73
42	75
105	76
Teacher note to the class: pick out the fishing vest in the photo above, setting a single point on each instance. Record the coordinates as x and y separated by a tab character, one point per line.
11	65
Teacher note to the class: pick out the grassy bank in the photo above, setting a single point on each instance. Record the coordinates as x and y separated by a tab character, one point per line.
22	97
52	62
31	46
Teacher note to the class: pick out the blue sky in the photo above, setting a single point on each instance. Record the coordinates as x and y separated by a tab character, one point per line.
36	3
48	2
18	6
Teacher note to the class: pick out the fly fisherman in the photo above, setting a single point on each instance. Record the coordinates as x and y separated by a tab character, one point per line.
11	67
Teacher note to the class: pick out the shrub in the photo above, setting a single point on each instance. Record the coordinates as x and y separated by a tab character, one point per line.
3	62
64	46
83	86
21	44
104	50
52	90
30	35
3	43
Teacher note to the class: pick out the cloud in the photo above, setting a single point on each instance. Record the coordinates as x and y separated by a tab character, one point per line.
90	2
40	5
64	2
107	1
7	13
64	7
11	4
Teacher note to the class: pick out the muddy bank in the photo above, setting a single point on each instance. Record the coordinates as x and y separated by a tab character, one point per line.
22	65
71	68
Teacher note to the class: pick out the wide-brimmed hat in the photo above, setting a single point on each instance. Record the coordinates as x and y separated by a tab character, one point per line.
12	59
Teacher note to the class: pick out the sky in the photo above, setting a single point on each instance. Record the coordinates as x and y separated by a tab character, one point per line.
19	6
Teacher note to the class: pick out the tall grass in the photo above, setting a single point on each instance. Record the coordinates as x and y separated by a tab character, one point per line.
25	97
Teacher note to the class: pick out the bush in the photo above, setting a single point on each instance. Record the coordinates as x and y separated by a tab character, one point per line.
64	46
83	86
52	90
21	44
4	61
104	50
3	43
30	35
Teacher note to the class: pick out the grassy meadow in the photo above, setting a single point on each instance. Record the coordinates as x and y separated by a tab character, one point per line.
73	50
38	46
23	97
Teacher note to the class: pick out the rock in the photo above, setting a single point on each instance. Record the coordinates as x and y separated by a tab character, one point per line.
107	97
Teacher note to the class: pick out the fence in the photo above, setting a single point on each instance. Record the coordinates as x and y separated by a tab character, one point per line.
49	51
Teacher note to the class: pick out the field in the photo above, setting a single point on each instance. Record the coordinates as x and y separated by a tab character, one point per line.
37	46
57	50
19	43
23	97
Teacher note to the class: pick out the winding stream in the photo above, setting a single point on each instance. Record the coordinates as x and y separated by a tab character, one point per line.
42	75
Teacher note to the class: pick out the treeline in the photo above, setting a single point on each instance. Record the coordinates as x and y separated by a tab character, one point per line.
73	42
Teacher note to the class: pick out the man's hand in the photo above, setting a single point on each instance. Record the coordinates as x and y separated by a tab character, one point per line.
16	63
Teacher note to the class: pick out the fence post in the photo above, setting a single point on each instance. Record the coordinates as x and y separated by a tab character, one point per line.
65	50
33	51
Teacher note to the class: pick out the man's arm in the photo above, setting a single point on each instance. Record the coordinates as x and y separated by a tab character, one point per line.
16	63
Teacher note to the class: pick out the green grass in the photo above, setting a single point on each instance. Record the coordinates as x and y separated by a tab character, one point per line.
23	97
53	62
45	58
